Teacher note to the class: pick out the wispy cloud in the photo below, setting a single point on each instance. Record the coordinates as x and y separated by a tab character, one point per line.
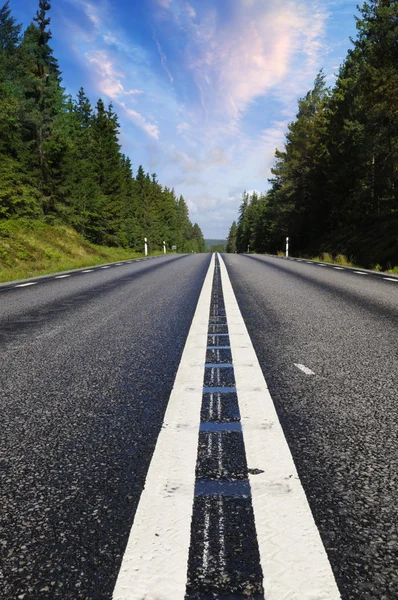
109	83
238	59
164	3
150	128
237	69
108	78
163	58
106	53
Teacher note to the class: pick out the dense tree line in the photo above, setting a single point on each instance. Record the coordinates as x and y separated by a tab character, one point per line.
60	159
335	183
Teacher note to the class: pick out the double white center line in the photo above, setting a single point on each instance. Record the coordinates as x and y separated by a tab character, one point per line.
293	560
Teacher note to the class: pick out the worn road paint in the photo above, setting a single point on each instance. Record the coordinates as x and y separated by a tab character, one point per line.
360	273
88	271
26	284
339	268
305	369
390	279
61	276
293	559
156	558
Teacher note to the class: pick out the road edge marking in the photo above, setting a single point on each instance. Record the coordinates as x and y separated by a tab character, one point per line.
155	561
293	558
304	369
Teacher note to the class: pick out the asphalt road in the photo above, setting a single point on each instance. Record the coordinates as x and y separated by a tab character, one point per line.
342	421
87	364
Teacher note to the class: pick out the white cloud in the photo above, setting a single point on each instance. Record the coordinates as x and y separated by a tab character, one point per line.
183	127
237	59
139	120
164	3
237	69
108	78
190	10
163	58
109	83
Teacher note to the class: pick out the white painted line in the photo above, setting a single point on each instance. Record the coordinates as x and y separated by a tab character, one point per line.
321	265
390	279
155	562
309	262
211	405
221	537
360	273
61	276
26	284
209	445
293	559
206	540
339	268
107	267
305	369
88	271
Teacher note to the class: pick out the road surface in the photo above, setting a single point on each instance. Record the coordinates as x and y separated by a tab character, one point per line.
95	382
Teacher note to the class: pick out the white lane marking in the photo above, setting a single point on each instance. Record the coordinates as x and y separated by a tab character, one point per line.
206	540
211	406
88	271
61	276
156	558
321	265
107	267
49	334
293	559
360	273
219	453
390	279
26	284
339	268
209	445
218	406
309	262
221	537
305	369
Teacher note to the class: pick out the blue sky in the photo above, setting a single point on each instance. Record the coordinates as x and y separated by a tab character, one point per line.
204	89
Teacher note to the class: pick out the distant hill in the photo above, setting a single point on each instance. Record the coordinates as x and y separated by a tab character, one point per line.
216	245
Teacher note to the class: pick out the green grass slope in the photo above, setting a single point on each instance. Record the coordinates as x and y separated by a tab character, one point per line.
32	248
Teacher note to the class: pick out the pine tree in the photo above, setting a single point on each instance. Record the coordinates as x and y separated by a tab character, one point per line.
42	105
60	159
10	32
17	197
231	240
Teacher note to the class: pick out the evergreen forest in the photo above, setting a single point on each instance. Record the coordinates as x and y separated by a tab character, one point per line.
334	185
60	157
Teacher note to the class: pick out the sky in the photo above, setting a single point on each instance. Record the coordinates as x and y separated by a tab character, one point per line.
204	89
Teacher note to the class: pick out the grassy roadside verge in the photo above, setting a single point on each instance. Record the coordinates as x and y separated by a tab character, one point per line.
33	248
343	261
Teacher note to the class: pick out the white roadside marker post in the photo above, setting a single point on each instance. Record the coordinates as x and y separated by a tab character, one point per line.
164	247
145	247
287	247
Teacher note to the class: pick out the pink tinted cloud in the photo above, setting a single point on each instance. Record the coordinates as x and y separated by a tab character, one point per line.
108	82
236	60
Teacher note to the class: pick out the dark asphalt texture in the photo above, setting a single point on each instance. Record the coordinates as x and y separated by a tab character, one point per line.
87	364
341	423
224	559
